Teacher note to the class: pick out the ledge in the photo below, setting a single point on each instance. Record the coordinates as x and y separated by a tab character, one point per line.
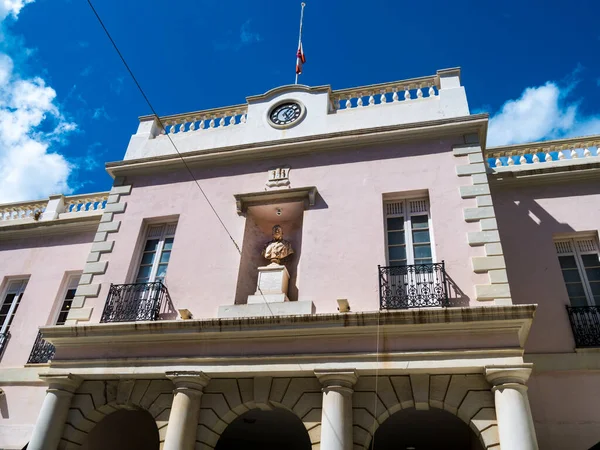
474	123
29	375
517	318
543	173
242	201
30	227
579	360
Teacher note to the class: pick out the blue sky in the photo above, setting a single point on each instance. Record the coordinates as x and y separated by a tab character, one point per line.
67	105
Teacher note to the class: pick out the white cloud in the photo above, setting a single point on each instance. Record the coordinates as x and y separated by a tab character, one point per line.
100	113
247	36
540	113
12	7
30	123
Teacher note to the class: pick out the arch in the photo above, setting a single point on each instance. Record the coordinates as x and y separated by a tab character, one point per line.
265	430
125	429
431	429
469	397
226	399
95	400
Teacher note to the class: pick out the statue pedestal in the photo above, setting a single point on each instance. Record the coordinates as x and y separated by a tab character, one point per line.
272	285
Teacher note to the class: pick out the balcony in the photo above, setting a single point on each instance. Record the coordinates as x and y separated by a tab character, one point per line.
42	351
135	302
585	323
413	286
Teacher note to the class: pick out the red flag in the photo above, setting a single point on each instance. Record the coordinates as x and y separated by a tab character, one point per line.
300	59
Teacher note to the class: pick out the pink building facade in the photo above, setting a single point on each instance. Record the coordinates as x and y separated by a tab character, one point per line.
424	304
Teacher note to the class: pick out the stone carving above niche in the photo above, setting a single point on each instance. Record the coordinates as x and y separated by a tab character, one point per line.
278	177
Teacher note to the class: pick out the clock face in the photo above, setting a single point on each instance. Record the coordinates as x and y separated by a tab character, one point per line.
285	114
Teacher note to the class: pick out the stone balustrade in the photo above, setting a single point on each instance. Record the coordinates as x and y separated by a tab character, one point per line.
21	210
53	207
200	120
85	202
377	94
540	153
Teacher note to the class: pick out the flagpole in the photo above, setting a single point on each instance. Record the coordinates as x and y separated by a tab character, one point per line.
300	35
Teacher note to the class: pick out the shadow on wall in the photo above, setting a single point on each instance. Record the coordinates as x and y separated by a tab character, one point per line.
4	406
456	296
167	309
527	232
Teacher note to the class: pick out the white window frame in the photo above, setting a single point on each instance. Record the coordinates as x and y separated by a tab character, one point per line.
404	208
71	282
160	231
13	286
577	246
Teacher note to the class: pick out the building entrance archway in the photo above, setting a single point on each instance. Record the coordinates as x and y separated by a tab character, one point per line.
265	430
433	429
124	430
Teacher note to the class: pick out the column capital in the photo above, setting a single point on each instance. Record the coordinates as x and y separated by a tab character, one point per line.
510	374
68	383
331	378
188	379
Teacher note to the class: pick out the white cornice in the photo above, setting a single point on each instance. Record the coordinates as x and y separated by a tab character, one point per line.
476	123
545	173
32	228
366	363
256	198
288	88
443	322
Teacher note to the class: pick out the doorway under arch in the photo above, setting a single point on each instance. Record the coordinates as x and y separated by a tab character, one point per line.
265	430
124	430
433	429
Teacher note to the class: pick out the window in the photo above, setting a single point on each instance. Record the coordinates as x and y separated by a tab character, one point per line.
10	303
580	266
72	283
156	253
408	232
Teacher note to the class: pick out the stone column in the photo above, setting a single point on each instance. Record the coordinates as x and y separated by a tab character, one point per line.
336	419
183	420
55	409
515	423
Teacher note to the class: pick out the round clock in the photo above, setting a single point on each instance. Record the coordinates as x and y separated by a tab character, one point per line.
285	114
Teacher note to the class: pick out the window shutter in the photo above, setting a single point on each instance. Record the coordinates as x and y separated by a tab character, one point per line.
586	245
155	231
394	208
171	227
417	206
563	247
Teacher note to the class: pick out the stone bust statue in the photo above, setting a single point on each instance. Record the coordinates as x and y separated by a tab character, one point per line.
278	248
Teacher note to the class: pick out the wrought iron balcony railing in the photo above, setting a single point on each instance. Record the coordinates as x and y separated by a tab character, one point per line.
42	351
585	323
413	286
134	302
